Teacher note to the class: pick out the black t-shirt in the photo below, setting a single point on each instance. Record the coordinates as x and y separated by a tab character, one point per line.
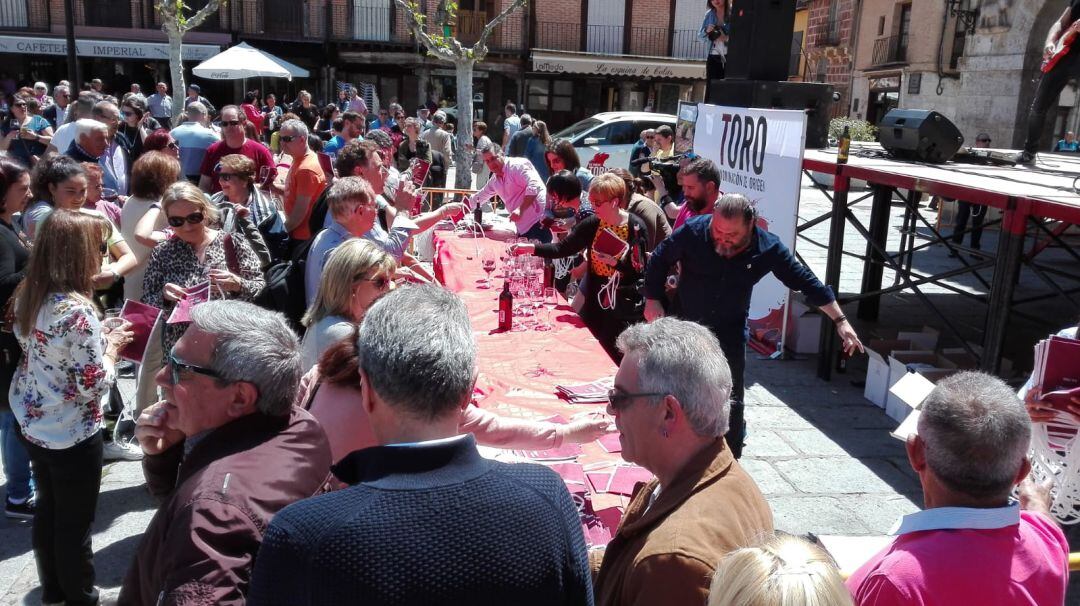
308	115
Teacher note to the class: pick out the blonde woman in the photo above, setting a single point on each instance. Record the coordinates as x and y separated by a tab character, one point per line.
783	571
56	396
355	275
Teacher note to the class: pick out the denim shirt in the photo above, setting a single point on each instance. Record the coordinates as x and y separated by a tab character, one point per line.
714	290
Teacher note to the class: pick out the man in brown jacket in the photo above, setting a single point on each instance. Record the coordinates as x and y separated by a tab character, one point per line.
670	403
226	450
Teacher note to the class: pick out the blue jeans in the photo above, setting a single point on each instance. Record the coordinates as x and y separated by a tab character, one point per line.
16	459
539	233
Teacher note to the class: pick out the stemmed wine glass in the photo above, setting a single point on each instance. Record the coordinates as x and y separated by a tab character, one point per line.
487	261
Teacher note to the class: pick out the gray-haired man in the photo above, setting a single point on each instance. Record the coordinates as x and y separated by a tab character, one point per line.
226	450
973	544
425	519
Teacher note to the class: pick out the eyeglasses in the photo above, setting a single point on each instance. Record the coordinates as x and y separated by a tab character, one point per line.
226	177
19	104
982	140
230	123
287	138
620	400
380	282
128	114
194	219
176	367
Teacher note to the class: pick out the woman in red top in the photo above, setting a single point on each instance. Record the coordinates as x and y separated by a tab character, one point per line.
254	116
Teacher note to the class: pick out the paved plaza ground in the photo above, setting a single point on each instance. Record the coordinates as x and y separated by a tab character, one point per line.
820	452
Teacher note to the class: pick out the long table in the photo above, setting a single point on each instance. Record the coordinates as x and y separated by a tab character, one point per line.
518	370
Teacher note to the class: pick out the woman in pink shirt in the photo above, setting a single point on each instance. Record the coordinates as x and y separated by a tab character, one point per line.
254	116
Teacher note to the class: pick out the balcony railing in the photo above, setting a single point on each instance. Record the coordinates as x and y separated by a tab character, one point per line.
613	40
104	13
888	50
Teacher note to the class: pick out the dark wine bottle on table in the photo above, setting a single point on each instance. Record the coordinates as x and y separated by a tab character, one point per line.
844	146
506	308
549	274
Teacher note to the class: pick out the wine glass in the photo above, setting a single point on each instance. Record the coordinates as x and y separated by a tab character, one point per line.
547	300
488	262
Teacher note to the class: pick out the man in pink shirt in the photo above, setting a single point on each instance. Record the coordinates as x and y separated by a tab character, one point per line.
972	544
701	190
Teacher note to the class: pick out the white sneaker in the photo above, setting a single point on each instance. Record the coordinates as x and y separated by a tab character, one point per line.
119	451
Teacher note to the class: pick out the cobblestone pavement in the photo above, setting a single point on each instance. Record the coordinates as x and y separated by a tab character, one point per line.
821	453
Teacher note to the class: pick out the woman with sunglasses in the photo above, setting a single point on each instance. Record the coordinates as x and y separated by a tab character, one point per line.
612	284
57	394
356	274
24	135
136	124
561	155
196	254
247	211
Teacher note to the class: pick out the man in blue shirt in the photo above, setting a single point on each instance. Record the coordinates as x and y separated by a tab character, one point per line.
194	139
352	212
1067	145
721	256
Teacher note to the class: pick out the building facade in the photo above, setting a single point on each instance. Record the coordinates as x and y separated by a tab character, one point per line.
561	60
829	50
980	73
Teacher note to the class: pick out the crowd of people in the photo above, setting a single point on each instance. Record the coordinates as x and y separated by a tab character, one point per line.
304	404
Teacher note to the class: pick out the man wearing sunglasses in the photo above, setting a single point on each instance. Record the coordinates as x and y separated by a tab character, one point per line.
226	450
305	183
234	141
671	402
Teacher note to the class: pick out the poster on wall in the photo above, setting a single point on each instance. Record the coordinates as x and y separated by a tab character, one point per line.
759	153
684	127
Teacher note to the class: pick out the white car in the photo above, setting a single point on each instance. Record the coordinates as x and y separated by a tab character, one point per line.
613	133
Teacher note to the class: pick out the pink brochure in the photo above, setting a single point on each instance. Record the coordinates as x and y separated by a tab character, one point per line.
419	172
599	526
200	293
622	481
573	474
142	318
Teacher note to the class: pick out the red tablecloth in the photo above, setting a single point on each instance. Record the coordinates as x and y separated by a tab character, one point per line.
519	370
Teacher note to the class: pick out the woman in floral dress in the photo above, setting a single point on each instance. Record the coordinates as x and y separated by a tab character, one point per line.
57	394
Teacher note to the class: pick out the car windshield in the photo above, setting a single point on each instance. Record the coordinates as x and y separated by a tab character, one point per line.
574	131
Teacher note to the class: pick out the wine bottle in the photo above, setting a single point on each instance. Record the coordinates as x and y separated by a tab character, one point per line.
845	146
506	308
549	274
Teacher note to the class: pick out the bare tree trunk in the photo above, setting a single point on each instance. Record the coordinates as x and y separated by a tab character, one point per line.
176	68
463	158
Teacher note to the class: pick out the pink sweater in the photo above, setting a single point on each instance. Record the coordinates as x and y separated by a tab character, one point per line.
348	428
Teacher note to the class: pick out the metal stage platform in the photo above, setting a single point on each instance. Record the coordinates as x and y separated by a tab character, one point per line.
1038	205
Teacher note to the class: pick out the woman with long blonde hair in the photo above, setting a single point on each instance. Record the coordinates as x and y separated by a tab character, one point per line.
57	393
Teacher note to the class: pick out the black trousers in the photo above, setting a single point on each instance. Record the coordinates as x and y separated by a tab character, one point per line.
1050	86
68	482
965	211
715	67
165	122
735	352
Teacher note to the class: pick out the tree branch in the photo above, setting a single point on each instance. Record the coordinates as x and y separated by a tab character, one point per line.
480	48
204	13
416	25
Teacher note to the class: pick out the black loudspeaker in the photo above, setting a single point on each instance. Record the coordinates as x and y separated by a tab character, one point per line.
919	134
814	98
758	47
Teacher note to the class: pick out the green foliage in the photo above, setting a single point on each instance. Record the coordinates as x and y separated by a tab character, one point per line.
860	130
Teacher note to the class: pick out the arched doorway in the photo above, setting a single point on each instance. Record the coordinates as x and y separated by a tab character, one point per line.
1050	11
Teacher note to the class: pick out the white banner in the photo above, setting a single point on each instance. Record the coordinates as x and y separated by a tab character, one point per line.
104	48
759	153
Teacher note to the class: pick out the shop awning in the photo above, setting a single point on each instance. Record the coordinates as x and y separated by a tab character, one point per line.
624	67
116	49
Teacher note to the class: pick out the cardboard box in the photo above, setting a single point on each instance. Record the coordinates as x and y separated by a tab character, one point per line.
804	328
911	389
877	368
902	363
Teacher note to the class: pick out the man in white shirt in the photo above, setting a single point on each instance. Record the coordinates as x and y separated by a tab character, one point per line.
160	104
517	183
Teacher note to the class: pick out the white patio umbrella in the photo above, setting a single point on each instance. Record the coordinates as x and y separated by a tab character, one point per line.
244	61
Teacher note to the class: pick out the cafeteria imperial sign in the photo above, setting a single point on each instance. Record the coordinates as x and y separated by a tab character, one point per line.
104	48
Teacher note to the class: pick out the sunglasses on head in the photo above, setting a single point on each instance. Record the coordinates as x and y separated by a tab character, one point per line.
173	145
194	218
230	123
